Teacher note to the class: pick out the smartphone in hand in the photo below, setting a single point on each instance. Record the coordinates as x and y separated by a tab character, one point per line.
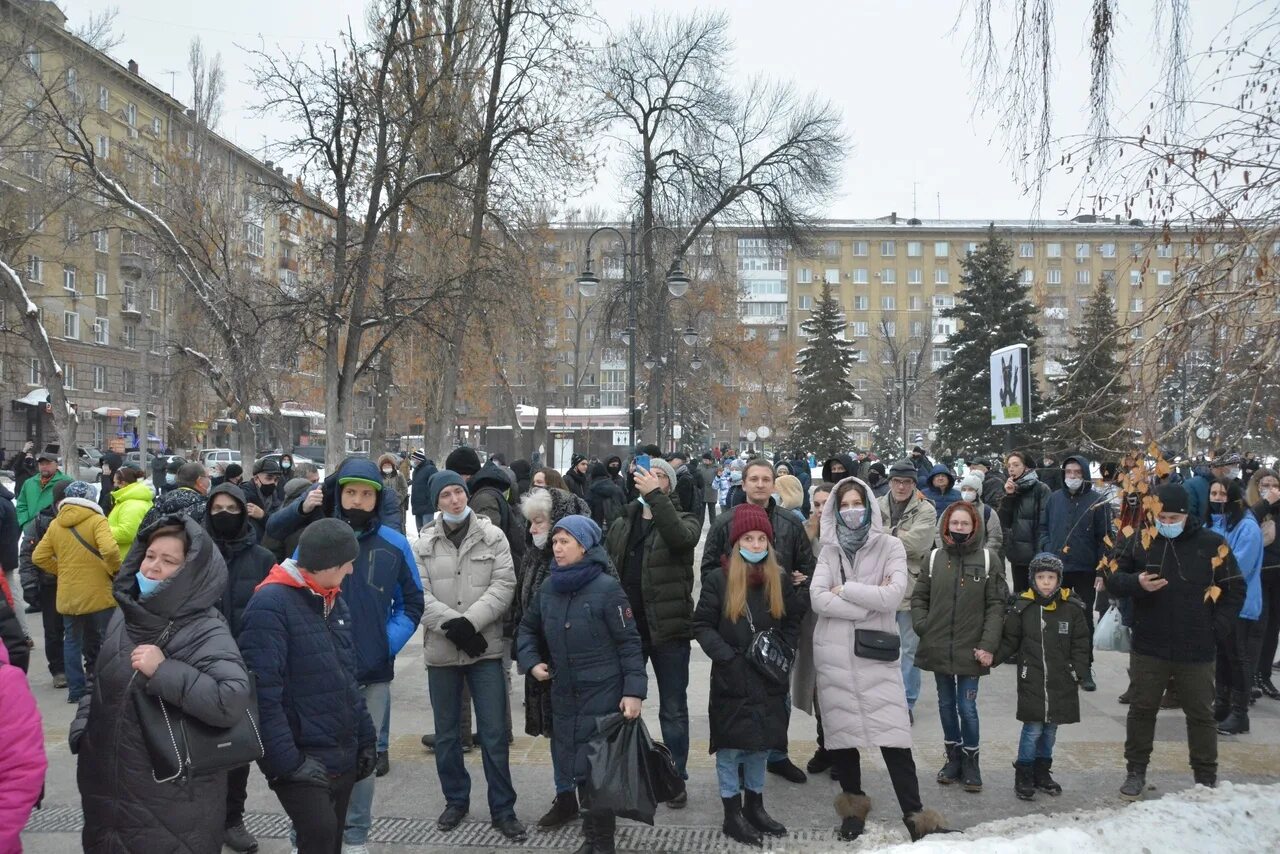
643	461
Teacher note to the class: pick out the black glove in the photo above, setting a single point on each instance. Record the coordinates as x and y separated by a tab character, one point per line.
310	773
475	646
366	761
459	630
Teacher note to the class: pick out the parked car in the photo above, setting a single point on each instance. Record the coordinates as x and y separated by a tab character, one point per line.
211	458
90	464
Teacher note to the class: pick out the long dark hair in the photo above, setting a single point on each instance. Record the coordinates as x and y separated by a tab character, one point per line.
1235	501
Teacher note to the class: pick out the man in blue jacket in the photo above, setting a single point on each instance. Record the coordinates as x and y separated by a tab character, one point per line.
940	488
296	637
1079	520
384	595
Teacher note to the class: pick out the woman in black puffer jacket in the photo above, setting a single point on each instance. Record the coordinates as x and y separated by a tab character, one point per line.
166	639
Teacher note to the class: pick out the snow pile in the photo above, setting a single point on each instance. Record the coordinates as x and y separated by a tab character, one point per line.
1229	818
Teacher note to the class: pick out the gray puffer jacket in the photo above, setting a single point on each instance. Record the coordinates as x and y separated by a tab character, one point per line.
125	810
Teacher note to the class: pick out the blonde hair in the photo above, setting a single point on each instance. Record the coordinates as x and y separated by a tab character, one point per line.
735	596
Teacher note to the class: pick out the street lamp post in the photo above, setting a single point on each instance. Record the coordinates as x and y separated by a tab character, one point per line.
677	282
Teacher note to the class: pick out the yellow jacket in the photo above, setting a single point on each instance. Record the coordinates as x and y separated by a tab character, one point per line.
84	579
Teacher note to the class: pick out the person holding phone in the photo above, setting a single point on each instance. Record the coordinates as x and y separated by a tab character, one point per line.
1175	631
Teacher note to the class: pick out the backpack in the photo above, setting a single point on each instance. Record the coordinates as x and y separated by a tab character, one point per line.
511	524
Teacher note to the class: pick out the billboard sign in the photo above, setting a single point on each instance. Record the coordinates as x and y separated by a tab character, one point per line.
1010	385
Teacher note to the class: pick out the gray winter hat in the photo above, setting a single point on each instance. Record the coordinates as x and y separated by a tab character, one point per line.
325	544
1045	562
659	464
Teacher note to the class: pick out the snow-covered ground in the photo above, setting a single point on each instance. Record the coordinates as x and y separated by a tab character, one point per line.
1231	818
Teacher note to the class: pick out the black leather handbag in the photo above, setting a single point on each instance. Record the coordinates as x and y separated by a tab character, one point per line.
181	745
770	654
876	645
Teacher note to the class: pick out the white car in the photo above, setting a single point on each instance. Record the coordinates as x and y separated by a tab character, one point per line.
212	458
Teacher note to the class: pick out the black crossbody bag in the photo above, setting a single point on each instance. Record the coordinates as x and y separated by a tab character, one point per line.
770	654
872	643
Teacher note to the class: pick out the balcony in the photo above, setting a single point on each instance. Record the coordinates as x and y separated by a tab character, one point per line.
135	264
130	308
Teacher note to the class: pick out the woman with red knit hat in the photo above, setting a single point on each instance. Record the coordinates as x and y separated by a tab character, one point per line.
748	710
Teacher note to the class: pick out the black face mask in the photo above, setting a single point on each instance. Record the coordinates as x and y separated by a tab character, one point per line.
1218	508
358	518
266	489
960	538
874	478
226	524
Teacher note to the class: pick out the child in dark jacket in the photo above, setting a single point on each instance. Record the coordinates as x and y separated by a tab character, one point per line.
1046	634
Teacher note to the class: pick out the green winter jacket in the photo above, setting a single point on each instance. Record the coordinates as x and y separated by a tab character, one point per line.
958	605
1049	644
666	578
34	496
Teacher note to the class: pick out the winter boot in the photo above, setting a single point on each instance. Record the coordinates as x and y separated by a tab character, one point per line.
1264	682
1221	706
921	824
1087	683
950	772
1135	783
564	809
588	834
852	809
1237	722
1043	780
1023	781
606	825
1208	779
753	812
736	826
970	776
820	762
239	839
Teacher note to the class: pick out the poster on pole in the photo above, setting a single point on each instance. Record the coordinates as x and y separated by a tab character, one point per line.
1010	385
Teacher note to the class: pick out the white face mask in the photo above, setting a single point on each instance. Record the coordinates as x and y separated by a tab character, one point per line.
1074	483
969	496
540	540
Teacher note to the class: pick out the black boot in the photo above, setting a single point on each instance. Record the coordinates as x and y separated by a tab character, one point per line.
753	812
1043	779
820	762
1135	783
852	809
564	809
736	826
1221	706
1208	779
1237	722
588	834
1023	782
606	824
1268	687
950	772
921	824
970	776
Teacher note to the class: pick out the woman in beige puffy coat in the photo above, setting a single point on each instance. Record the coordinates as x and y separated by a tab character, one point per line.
859	581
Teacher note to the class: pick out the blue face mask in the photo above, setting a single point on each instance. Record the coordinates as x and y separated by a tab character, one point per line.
752	557
455	518
1172	530
146	586
171	479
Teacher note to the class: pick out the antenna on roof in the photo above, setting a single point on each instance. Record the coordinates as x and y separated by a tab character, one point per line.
939	204
172	76
915	185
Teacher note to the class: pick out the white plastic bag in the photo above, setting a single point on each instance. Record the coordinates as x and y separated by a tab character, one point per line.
1111	635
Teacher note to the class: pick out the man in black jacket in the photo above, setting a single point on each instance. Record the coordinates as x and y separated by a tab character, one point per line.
790	543
419	495
575	479
687	488
1176	624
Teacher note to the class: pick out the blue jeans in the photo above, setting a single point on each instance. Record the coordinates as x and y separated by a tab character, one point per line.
72	661
752	762
958	708
488	687
907	660
377	697
1036	742
671	667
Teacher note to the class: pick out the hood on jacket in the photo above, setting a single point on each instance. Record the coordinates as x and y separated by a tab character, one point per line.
828	536
522	469
565	503
979	530
490	474
332	491
937	470
389	458
1254	493
1083	462
608	464
73	511
850	467
136	491
597	471
247	531
195	588
294	487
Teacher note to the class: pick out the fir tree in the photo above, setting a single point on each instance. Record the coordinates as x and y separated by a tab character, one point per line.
824	396
993	312
1092	406
886	430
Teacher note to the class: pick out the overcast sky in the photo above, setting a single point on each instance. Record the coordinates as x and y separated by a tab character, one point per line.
896	69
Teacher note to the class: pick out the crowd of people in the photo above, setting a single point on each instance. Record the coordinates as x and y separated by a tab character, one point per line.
828	588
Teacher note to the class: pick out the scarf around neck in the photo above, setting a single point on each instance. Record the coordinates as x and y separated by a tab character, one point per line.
852	539
575	576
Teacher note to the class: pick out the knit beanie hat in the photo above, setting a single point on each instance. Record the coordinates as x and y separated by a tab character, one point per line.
1045	562
581	528
791	491
903	468
577	458
463	460
233	470
439	481
659	464
78	489
747	518
1173	498
325	544
972	481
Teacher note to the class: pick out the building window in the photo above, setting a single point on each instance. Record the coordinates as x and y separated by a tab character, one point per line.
860	249
888	302
971	247
1108	250
128	297
100	284
156	126
915	303
34	374
104	146
1164	250
129	383
104	98
804	276
35	268
1053	250
915	277
69	279
69	375
831	276
944	302
858	329
130	338
71	325
1053	276
1164	278
99	378
941	249
1136	304
805	303
941	276
1026	276
915	249
890	328
1082	251
831	249
1135	278
941	357
917	329
101	240
157	390
1026	250
32	58
888	248
860	303
101	330
1083	277
153	299
860	276
888	276
254	240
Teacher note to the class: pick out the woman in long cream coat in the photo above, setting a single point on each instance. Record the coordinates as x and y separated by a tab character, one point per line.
859	581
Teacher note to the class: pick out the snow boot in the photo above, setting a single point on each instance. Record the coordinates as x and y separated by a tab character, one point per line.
753	811
852	809
736	826
1221	706
1043	780
921	824
1264	682
564	809
970	776
1023	781
1135	783
1237	722
820	762
1208	779
950	772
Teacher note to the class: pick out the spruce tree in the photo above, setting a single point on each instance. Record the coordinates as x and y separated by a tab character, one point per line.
824	396
1092	405
993	312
